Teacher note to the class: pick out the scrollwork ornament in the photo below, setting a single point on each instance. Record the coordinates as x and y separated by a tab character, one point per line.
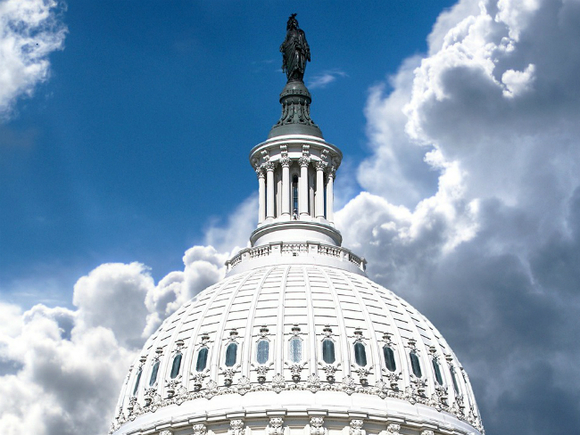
356	427
199	429
313	383
244	385
275	426
316	426
278	383
348	385
236	427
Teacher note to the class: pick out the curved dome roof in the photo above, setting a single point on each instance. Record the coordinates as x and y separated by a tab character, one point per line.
324	330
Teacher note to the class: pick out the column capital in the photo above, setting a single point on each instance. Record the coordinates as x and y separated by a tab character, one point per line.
269	166
304	161
285	161
259	172
320	165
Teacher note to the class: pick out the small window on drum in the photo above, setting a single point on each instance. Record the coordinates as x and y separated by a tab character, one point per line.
175	366
437	371
201	359
137	381
455	386
231	354
328	351
389	358
263	351
360	354
415	365
295	348
154	372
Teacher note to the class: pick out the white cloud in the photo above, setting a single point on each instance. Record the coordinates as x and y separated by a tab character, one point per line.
322	80
29	31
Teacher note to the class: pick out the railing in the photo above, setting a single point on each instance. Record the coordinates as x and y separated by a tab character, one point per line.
296	250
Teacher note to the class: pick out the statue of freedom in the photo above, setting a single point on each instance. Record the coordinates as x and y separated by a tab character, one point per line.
295	51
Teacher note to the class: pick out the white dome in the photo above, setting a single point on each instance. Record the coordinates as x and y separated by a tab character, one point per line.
309	303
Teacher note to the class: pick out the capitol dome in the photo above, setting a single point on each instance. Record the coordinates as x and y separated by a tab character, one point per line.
296	339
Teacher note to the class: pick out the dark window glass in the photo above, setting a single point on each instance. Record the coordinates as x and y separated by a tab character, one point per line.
437	371
154	371
389	358
415	364
137	382
263	351
294	194
360	354
455	386
328	351
295	350
201	359
231	354
175	366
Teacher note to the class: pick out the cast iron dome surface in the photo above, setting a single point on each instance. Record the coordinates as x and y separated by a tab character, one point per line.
296	339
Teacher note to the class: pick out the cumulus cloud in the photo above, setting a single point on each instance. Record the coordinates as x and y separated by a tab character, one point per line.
489	248
29	31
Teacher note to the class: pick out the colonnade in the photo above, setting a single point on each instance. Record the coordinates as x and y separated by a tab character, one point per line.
276	195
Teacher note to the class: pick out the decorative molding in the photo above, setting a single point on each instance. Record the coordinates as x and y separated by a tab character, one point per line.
393	429
165	432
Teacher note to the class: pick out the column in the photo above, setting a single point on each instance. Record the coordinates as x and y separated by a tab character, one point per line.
285	162
270	190
261	195
330	195
304	161
319	195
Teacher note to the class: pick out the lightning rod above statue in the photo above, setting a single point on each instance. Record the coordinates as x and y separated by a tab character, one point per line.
295	51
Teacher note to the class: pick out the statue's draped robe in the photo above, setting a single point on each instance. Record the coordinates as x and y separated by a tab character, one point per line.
296	53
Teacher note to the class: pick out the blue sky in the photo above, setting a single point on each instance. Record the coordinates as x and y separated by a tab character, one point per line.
139	139
125	129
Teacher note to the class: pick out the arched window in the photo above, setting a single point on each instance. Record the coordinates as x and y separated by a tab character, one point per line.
328	351
201	359
262	351
389	358
360	354
295	194
154	371
175	366
231	354
415	364
437	371
455	386
295	349
137	381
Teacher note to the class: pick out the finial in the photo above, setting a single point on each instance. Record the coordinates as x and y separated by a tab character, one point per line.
295	51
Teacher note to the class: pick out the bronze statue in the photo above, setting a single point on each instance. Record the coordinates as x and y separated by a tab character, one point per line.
295	51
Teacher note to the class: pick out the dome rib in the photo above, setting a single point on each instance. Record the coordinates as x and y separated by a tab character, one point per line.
249	332
312	336
279	354
341	325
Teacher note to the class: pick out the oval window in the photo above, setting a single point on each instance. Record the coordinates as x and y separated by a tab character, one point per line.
437	371
360	354
295	350
455	386
415	364
263	350
137	382
175	366
231	354
389	358
328	351
201	359
154	371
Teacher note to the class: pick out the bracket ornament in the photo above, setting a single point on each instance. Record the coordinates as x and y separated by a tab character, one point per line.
356	427
316	426
275	426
